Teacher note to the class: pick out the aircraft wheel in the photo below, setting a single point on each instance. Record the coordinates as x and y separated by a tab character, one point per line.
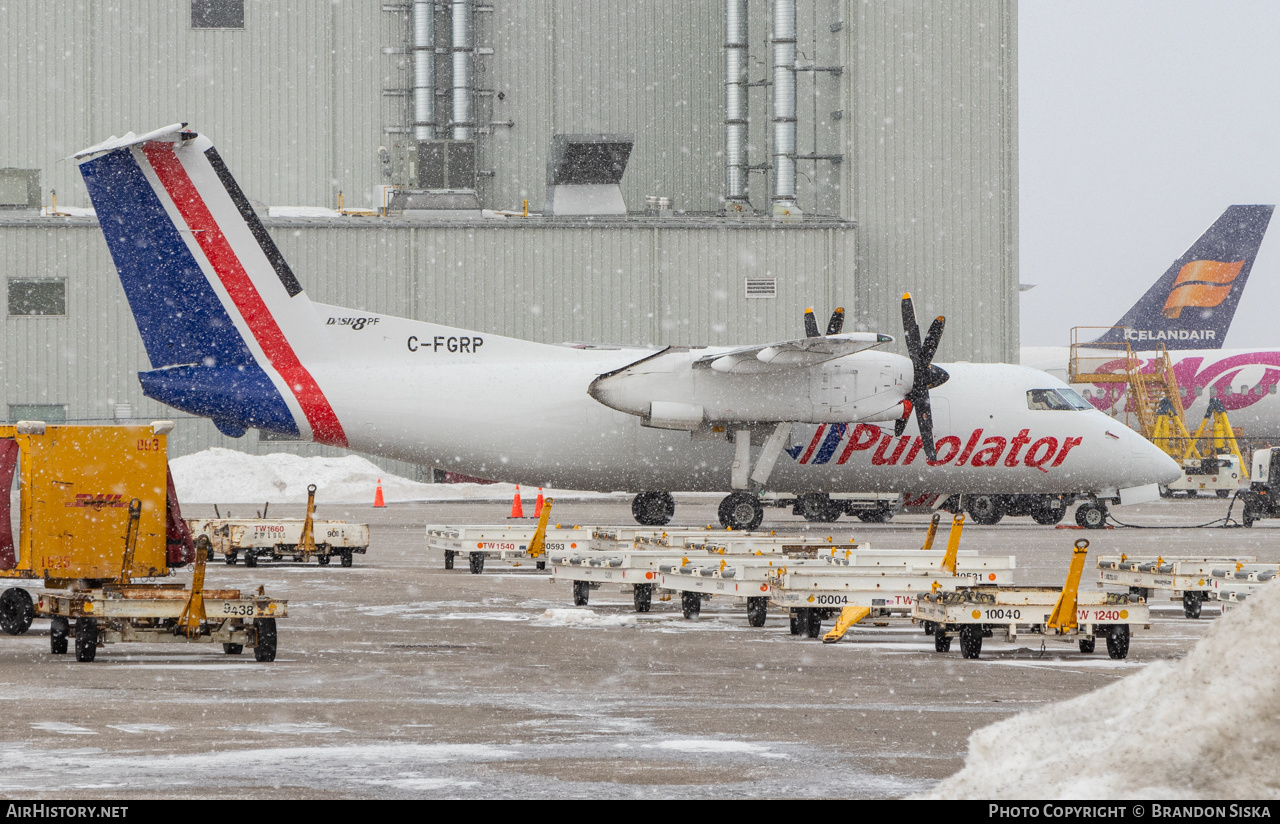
971	640
817	507
984	509
1118	641
16	611
1191	601
642	597
653	508
1092	515
941	641
741	511
1042	512
59	629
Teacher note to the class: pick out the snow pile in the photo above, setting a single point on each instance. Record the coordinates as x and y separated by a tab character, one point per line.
217	476
1205	727
583	618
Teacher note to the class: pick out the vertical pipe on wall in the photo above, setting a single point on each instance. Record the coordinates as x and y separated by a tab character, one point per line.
463	61
424	69
784	106
735	104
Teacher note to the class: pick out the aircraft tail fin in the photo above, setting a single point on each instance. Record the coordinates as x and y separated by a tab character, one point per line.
224	320
1192	304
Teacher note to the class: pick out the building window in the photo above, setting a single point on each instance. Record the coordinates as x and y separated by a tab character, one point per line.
45	296
217	14
47	412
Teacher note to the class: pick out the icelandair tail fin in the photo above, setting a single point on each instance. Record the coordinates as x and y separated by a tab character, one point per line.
1192	304
225	323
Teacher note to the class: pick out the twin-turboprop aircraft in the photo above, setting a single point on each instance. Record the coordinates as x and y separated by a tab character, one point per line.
231	336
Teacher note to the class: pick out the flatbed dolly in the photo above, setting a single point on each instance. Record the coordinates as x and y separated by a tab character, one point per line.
1187	577
276	539
1234	585
974	613
125	612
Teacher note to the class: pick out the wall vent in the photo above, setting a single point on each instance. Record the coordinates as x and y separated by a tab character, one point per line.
762	287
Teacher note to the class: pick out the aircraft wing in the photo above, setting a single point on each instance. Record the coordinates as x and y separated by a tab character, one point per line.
799	352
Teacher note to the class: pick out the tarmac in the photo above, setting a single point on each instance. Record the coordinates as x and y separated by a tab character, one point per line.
398	679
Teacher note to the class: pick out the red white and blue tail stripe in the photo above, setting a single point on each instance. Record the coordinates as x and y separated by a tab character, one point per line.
222	316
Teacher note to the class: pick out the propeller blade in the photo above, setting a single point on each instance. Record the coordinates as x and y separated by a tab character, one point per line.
900	425
931	339
810	324
910	329
924	417
837	321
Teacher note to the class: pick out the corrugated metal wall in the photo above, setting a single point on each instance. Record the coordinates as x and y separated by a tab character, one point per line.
934	168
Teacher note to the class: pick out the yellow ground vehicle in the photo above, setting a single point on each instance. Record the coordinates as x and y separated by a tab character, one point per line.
75	487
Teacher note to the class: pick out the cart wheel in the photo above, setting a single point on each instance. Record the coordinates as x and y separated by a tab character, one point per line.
1118	641
231	558
16	611
59	629
86	639
813	627
971	640
1087	644
757	611
448	558
798	621
1191	601
691	604
265	650
929	627
540	565
323	560
642	596
250	559
941	641
347	559
581	593
233	649
476	562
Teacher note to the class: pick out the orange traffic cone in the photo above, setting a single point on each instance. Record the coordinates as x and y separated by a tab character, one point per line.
517	508
537	506
377	496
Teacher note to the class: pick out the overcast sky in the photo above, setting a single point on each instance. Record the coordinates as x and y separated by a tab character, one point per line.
1139	123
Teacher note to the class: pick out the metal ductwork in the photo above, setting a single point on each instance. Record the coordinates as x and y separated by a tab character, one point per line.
424	69
463	62
784	107
735	103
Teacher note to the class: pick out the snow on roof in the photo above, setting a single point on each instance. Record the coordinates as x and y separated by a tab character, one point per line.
1204	727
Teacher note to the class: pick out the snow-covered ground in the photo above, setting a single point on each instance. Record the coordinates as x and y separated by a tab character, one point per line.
217	476
1205	727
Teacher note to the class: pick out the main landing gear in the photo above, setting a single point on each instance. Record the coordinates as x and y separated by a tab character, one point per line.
653	508
741	511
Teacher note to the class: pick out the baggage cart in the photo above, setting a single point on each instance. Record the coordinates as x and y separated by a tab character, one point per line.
1187	577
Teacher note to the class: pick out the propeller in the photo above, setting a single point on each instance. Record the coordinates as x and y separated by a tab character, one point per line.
833	326
924	375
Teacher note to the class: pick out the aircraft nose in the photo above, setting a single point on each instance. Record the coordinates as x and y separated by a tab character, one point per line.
1162	468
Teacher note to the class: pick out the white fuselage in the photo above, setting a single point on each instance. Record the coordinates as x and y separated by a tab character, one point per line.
1245	380
517	411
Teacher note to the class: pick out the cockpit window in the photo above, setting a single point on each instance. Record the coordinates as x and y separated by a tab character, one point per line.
1065	400
1073	398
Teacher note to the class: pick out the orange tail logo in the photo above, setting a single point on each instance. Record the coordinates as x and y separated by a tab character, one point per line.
1203	283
